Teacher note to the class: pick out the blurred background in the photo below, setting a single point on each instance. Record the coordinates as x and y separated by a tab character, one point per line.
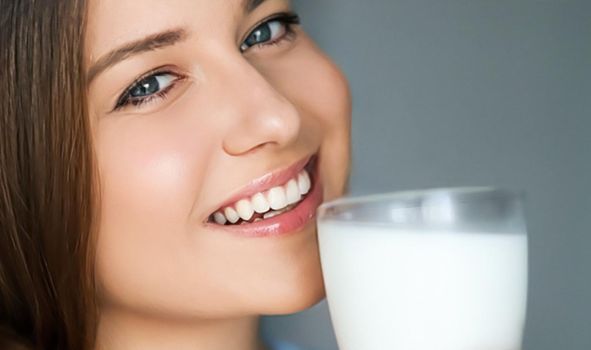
474	92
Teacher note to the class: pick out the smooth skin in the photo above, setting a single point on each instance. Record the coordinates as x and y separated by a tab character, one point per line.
231	113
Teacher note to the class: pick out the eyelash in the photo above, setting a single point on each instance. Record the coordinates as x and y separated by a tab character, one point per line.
287	19
126	99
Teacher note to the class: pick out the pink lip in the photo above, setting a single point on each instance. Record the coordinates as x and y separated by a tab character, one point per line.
266	182
289	222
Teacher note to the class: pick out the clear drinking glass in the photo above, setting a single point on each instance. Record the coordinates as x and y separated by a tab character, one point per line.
441	269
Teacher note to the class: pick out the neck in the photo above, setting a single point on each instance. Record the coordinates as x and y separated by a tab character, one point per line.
126	331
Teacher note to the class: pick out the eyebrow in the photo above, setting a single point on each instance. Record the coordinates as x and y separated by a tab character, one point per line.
149	43
250	5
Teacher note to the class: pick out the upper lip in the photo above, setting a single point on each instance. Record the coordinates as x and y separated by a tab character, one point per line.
274	178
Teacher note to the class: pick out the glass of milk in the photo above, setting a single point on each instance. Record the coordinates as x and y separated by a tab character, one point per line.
441	269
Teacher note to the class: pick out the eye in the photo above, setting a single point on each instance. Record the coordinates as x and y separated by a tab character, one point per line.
148	88
271	31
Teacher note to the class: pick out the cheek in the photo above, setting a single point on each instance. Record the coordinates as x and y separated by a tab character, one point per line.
145	168
149	178
336	148
312	82
320	91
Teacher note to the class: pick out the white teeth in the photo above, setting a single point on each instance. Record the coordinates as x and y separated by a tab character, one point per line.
304	183
276	198
271	214
244	209
292	192
231	215
260	203
277	212
219	218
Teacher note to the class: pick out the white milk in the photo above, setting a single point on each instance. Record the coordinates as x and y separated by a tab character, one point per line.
401	290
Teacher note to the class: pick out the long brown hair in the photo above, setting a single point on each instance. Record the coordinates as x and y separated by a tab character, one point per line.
46	178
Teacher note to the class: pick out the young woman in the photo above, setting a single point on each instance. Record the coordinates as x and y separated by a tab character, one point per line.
160	167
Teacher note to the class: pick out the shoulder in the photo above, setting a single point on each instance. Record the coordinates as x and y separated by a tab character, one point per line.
282	345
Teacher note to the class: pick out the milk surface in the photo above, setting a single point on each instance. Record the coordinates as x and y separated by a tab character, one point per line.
426	290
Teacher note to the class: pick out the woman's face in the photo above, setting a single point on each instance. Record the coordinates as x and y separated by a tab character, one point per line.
202	108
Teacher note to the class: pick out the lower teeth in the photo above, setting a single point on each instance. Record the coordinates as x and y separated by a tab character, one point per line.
275	213
267	215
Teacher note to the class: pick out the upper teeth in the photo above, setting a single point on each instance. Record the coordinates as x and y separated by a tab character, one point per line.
276	198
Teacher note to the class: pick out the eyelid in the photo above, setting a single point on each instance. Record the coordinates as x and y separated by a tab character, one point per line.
156	71
130	86
275	16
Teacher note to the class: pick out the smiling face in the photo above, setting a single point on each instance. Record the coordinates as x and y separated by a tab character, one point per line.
202	110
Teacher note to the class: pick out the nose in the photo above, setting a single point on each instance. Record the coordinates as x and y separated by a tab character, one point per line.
258	115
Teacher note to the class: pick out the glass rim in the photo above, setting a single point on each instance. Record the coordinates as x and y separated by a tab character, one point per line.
406	194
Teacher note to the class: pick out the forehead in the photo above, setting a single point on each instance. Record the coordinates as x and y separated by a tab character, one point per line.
114	22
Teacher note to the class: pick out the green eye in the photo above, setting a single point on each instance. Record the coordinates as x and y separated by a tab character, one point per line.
155	85
271	31
151	85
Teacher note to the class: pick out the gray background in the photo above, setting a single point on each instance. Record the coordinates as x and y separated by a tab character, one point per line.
471	92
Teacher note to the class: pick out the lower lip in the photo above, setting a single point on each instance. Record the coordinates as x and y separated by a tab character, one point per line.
283	224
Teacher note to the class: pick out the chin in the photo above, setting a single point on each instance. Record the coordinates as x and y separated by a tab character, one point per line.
298	290
295	301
